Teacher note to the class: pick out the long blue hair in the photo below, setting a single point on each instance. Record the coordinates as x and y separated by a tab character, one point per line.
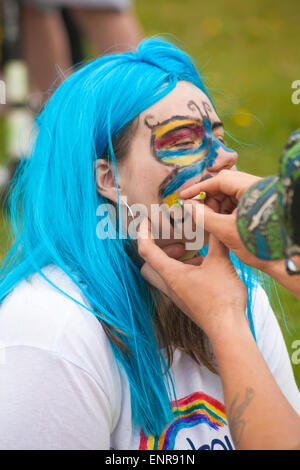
53	203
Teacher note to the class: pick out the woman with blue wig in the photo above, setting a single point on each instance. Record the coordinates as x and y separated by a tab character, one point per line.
92	355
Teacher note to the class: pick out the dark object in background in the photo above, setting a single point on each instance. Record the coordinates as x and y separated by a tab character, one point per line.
18	110
74	37
12	72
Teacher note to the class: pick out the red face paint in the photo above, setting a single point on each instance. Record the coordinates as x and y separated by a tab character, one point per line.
193	133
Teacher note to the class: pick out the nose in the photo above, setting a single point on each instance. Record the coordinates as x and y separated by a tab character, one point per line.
225	159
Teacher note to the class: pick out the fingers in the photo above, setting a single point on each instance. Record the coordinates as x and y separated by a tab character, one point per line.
153	277
213	186
227	206
216	248
152	254
220	225
227	182
176	250
213	204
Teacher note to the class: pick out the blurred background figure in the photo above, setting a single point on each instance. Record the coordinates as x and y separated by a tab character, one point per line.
52	32
41	41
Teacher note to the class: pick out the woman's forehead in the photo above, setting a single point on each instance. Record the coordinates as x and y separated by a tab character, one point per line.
184	100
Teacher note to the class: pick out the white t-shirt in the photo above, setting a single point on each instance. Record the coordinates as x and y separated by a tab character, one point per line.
60	387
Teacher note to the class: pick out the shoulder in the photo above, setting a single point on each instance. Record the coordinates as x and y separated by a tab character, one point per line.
269	336
267	329
262	310
270	341
38	315
36	311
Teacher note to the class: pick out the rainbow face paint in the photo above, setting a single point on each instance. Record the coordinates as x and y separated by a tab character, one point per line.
187	144
179	141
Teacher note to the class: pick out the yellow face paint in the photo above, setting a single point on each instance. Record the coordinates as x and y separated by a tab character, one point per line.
172	199
179	142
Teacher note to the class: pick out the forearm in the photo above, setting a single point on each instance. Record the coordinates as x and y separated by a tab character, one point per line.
258	413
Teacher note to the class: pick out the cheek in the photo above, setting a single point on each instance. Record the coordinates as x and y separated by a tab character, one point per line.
142	180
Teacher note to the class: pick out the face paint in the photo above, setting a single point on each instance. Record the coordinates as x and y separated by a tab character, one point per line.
179	141
188	145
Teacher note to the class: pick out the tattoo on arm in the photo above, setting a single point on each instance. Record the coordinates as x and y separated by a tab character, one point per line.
235	414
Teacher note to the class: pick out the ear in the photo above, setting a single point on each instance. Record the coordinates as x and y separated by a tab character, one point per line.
105	179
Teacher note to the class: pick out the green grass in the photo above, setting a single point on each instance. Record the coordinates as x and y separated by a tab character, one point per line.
249	55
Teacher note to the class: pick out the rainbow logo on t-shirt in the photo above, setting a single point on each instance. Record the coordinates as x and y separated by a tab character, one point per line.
193	409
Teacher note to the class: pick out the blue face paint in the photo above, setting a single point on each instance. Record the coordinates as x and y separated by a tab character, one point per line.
211	145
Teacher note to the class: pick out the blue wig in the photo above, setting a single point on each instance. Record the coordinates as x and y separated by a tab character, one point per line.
53	205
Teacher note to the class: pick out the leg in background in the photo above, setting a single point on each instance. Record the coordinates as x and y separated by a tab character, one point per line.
45	46
108	30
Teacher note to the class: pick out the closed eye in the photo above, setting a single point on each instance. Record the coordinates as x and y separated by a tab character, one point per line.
183	144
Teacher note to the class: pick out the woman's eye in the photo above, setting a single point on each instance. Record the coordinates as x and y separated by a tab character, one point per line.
183	144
